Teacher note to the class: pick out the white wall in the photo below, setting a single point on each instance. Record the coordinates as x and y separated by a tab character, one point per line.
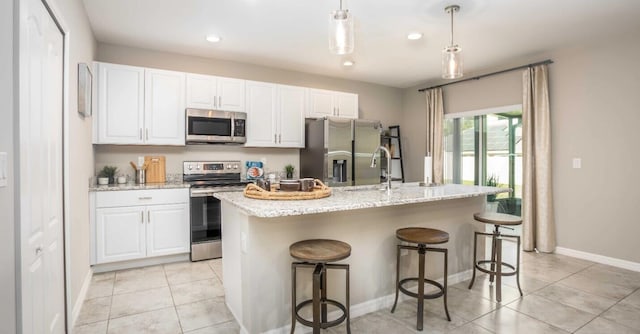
82	48
594	115
7	223
375	102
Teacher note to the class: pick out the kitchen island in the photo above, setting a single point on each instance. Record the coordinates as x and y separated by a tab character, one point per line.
256	236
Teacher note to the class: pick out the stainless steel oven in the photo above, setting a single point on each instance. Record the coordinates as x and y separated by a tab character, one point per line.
215	126
207	178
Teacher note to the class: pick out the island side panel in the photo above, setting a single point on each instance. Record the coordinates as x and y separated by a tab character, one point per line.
234	224
266	273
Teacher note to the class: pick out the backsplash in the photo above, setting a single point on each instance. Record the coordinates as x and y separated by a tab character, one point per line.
115	155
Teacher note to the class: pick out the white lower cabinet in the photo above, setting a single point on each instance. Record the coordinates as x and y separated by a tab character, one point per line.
126	230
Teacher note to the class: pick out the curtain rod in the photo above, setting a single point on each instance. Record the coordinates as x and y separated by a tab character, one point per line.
544	62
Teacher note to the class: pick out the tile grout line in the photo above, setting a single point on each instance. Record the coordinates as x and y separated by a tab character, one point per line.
612	306
175	308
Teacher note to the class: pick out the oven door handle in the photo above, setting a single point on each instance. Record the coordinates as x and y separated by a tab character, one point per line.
201	193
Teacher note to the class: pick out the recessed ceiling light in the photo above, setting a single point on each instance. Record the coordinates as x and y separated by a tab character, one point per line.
348	63
414	36
213	38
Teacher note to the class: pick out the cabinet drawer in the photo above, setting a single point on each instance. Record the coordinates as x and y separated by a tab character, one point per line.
107	199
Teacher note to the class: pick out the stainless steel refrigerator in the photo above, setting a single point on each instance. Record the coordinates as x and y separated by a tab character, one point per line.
338	151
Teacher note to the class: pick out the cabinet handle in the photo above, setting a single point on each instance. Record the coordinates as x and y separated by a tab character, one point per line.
275	138
146	131
280	138
148	218
141	217
145	198
140	133
220	101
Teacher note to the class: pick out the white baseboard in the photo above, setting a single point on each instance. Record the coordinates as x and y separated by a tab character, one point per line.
370	306
77	306
145	262
635	266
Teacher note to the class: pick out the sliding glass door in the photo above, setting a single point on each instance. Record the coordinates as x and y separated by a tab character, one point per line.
486	149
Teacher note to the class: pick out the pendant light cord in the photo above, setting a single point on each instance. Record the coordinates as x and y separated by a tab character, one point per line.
451	39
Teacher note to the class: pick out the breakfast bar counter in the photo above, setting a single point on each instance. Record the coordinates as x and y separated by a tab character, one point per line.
256	235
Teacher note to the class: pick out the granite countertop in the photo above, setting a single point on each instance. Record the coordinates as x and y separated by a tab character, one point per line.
134	186
357	197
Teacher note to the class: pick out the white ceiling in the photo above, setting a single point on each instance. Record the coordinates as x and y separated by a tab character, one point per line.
293	34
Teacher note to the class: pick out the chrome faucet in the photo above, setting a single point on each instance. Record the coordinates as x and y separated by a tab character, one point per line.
373	163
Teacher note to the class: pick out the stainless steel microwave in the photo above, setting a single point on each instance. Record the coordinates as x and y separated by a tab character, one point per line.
215	126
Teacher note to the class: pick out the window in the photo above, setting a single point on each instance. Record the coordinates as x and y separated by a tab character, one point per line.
486	145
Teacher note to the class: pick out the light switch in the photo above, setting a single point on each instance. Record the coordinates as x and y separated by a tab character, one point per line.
3	169
577	163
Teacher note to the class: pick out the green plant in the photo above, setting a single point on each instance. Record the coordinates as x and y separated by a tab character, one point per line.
108	171
492	181
289	170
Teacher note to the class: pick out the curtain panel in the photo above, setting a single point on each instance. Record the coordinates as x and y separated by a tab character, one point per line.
435	126
538	229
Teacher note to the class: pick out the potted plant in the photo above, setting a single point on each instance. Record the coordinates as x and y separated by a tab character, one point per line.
492	181
289	169
107	172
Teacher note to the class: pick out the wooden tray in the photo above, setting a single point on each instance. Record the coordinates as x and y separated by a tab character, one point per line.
319	191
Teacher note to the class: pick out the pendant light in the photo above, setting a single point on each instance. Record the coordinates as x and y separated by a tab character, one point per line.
341	31
452	54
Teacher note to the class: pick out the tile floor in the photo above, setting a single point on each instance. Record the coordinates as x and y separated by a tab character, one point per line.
561	295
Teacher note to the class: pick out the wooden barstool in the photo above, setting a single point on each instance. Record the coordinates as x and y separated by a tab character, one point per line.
317	253
499	220
422	237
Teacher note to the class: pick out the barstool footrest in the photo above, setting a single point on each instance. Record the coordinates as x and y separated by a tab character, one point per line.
323	325
426	295
495	272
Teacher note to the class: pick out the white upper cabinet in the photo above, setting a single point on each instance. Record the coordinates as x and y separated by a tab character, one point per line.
275	115
261	114
120	102
291	104
324	103
164	107
139	106
210	92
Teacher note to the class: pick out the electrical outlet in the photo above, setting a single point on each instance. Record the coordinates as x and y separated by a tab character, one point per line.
3	169
243	242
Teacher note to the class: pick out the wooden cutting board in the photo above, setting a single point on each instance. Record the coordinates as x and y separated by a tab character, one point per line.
156	172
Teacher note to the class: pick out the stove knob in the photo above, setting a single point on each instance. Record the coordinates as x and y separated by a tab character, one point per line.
228	166
235	166
190	167
197	167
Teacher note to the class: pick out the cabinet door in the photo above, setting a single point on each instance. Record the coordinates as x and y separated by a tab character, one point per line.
291	107
164	115
120	234
201	91
261	109
347	105
167	229
230	94
120	104
321	103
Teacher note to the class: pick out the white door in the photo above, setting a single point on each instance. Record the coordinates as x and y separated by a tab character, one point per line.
230	94
120	234
347	105
167	229
120	104
291	104
201	91
164	107
41	170
321	103
261	109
